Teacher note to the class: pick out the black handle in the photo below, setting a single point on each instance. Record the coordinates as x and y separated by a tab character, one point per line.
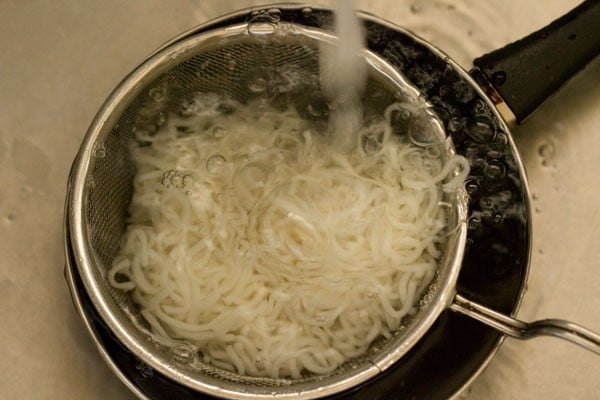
527	72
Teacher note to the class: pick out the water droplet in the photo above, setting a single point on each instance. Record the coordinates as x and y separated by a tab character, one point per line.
415	8
546	152
307	10
157	94
498	78
183	353
26	190
258	85
215	162
100	151
218	132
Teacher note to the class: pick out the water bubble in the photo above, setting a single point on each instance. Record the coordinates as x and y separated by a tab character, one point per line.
261	28
457	124
258	85
423	130
173	178
474	223
183	353
274	14
187	180
307	10
472	188
215	162
481	129
434	151
498	218
231	64
486	203
144	369
496	151
157	94
371	145
463	92
501	138
494	171
100	151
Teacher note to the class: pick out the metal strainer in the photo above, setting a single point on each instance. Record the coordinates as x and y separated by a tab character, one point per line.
230	60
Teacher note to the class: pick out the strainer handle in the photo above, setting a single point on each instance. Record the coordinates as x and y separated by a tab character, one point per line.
574	333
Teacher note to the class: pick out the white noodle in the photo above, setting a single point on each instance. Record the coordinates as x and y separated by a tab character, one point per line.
271	251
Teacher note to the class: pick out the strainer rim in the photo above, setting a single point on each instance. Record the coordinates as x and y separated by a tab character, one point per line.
84	258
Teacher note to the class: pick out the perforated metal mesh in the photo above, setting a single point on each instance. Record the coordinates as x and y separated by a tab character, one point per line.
228	63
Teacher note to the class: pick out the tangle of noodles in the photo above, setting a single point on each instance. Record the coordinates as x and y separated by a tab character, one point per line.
274	254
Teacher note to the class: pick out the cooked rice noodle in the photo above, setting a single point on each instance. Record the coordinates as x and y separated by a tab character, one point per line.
255	239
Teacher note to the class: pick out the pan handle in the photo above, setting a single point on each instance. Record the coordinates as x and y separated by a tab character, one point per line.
526	330
527	72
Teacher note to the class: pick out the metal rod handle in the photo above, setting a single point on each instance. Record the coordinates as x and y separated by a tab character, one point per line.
526	330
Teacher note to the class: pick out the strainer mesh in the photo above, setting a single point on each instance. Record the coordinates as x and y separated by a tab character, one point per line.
290	68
